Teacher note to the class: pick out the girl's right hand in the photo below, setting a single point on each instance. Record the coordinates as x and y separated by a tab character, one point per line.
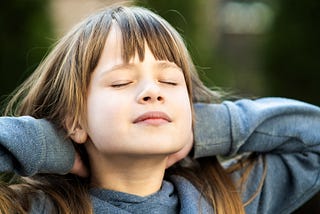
79	167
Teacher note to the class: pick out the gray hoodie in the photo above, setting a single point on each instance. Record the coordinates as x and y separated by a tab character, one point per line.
285	131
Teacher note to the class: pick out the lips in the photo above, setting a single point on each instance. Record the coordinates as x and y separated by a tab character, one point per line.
153	117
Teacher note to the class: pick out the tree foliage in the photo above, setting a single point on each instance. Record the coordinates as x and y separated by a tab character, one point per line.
26	34
292	52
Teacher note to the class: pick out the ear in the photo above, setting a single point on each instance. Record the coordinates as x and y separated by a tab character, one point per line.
77	134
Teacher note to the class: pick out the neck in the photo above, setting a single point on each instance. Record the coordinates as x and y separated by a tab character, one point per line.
130	174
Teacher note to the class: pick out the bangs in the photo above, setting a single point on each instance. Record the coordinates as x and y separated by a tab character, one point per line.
139	26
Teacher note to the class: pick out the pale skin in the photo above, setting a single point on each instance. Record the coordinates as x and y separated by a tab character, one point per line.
139	121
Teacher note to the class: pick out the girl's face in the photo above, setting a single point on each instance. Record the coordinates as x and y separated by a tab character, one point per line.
137	108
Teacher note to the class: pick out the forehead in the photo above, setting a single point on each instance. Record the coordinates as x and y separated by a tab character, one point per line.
113	45
123	45
113	51
130	32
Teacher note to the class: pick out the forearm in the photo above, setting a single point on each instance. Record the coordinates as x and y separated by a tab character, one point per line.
285	131
29	146
264	125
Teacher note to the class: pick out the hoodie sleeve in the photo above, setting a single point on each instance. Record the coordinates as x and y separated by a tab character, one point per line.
29	146
283	131
274	125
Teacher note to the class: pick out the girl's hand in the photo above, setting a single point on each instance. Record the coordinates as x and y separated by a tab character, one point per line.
79	167
175	157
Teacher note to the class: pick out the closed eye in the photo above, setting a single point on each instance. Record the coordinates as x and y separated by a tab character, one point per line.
169	83
119	84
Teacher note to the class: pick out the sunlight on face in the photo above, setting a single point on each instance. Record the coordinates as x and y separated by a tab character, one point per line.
140	107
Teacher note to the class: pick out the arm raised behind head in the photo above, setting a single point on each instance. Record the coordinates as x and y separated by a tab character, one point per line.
284	135
29	146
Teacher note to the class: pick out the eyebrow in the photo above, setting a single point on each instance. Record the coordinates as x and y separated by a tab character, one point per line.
120	66
167	64
116	67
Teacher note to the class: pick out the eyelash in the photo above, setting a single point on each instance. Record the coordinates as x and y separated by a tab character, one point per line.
119	85
169	83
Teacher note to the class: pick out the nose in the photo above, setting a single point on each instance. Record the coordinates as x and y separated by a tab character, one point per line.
150	93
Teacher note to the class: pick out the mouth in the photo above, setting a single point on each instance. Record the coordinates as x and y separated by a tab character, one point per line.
153	118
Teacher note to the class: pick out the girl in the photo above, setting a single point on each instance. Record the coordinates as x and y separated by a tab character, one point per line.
112	128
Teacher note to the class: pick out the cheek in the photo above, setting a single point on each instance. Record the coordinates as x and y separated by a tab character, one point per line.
103	104
102	111
104	115
188	116
184	108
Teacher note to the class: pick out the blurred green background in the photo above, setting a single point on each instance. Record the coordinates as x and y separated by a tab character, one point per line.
251	47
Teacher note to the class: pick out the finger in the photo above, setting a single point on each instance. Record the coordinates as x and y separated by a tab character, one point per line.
79	168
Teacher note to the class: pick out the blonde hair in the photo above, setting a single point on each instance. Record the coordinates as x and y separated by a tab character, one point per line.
58	89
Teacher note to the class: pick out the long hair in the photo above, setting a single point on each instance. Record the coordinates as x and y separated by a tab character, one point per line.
58	88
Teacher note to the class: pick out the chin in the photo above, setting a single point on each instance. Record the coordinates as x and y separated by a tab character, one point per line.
162	149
